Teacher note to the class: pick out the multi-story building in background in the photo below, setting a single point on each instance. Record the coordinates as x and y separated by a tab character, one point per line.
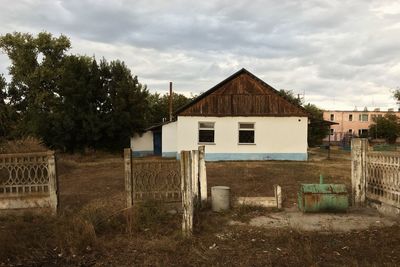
352	123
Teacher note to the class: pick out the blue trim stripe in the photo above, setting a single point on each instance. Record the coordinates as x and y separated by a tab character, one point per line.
169	154
144	153
254	156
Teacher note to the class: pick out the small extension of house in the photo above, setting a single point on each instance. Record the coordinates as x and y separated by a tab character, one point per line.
241	118
352	123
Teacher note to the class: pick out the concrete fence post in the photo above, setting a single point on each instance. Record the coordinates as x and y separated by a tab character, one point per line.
195	177
187	193
278	196
359	148
128	176
53	182
202	175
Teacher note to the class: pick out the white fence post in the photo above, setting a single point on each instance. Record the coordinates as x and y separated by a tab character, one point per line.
195	177
359	148
202	175
187	193
128	176
53	183
278	196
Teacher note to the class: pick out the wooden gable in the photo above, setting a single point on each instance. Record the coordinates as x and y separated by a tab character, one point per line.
242	94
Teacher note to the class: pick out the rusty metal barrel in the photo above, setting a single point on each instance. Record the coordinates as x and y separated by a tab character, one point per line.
323	197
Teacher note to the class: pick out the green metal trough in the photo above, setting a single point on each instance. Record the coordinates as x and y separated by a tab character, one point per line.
323	197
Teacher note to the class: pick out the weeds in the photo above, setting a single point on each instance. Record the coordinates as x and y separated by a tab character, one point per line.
244	213
23	145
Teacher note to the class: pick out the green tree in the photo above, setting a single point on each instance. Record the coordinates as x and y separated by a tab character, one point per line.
5	120
69	101
396	94
289	95
126	107
159	105
316	130
387	127
35	70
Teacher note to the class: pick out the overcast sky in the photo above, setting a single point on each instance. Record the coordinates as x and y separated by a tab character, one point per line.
341	54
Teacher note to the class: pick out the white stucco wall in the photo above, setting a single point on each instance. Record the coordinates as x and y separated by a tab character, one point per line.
142	143
273	135
169	139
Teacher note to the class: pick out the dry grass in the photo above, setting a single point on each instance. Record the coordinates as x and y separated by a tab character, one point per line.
94	229
23	145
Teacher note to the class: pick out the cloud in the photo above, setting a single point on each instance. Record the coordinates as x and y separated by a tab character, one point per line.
340	53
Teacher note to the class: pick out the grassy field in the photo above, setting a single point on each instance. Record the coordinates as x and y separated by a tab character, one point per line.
94	229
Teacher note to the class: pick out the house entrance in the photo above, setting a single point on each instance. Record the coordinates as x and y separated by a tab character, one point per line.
157	143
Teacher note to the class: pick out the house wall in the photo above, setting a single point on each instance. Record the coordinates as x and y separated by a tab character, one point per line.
142	145
276	138
345	125
169	139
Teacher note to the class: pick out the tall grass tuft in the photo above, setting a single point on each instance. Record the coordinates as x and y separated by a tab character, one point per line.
23	145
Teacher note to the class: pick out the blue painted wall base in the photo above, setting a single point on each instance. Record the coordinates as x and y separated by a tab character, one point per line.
140	154
169	155
254	156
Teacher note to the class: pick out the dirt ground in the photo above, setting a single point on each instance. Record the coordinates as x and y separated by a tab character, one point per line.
93	229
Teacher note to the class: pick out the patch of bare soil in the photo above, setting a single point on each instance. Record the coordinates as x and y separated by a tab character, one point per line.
93	229
257	178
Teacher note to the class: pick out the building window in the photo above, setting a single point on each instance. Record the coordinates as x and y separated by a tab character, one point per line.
350	117
350	131
246	133
332	117
363	117
206	132
332	131
363	132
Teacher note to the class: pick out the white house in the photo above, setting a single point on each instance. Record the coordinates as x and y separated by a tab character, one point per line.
241	118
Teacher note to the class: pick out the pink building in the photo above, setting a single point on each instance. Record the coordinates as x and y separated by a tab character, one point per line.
354	123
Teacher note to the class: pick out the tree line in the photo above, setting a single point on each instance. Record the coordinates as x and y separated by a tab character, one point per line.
72	102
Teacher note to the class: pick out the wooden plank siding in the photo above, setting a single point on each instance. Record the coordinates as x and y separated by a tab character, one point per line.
242	94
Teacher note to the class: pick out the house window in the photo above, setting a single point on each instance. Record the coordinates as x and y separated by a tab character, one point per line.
206	132
332	131
332	117
363	117
350	131
350	117
246	133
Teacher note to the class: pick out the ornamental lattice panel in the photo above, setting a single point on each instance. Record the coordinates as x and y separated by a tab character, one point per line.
383	177
156	180
24	174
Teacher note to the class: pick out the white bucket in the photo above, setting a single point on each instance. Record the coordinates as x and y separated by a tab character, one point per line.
220	198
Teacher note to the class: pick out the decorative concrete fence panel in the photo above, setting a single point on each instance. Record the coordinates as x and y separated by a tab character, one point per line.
183	181
28	181
158	180
375	176
383	177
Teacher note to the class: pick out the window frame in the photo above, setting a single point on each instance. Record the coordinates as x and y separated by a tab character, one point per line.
249	130
350	117
361	116
205	128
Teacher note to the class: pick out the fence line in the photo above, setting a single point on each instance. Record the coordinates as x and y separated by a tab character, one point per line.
28	180
375	175
383	177
166	180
